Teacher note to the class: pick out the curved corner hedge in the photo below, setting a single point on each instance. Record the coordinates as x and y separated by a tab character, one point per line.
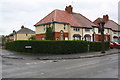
55	47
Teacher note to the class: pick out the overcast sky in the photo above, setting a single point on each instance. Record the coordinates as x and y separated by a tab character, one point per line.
15	13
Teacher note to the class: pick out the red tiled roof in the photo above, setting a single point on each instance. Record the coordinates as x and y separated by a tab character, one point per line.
111	24
46	19
65	17
97	21
85	22
108	24
74	19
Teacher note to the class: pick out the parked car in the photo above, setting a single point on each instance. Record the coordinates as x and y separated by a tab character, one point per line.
114	44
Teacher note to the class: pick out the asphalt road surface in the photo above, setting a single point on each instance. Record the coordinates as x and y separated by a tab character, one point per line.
98	67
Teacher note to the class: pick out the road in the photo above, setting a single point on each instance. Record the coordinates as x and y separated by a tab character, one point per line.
98	67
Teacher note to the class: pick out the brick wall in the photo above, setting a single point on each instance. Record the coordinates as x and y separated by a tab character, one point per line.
40	36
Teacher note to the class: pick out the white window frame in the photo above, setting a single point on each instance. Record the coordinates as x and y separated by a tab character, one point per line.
76	29
76	38
88	38
65	27
87	30
66	38
115	32
42	38
115	39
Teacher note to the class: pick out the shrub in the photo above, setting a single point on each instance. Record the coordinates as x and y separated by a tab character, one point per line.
55	47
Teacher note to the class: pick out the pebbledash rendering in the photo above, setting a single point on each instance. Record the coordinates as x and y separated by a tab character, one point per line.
68	25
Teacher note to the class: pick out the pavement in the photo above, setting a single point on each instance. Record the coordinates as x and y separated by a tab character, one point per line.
18	55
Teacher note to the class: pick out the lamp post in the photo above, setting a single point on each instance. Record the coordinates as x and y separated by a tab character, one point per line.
101	28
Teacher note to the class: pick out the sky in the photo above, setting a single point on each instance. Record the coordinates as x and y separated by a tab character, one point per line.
15	13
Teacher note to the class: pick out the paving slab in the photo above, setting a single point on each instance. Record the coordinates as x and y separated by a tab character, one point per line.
18	55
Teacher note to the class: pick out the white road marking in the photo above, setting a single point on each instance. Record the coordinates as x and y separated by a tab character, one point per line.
42	73
80	65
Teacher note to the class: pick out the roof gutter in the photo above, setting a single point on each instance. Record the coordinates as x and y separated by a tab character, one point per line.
51	23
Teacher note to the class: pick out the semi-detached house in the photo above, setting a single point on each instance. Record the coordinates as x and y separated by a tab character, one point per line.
68	25
111	29
22	34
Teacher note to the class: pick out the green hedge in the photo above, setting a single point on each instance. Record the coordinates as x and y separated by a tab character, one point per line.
55	47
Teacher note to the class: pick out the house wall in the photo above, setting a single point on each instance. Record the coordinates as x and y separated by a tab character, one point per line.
90	33
107	33
96	30
59	27
114	34
56	28
23	36
110	33
11	37
69	32
40	36
40	29
72	32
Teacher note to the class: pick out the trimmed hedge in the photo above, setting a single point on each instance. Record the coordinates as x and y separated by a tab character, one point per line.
55	47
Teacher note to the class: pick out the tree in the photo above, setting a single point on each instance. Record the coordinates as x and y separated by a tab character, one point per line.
49	33
4	40
32	37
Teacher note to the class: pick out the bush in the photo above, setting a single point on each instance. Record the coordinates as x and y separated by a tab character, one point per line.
55	47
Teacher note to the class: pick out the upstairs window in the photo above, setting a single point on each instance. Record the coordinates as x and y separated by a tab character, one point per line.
65	27
115	32
87	30
44	28
76	29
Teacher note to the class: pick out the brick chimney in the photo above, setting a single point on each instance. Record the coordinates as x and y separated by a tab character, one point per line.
22	27
105	17
69	9
14	31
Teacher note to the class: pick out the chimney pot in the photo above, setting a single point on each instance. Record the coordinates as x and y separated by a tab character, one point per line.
105	17
14	31
22	27
69	9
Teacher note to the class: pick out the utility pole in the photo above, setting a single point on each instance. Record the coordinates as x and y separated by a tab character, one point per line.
101	28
